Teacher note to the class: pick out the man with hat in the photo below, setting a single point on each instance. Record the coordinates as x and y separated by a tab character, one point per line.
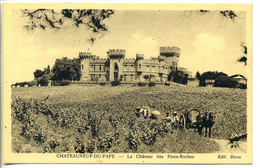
168	121
175	120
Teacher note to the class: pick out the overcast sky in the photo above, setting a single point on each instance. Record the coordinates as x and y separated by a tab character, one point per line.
208	42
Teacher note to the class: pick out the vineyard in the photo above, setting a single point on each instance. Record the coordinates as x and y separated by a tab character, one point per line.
93	119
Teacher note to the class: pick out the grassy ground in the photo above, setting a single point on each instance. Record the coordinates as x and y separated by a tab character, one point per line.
101	118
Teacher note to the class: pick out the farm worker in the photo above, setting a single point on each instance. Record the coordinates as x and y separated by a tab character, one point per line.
175	120
138	112
168	120
146	112
141	112
175	117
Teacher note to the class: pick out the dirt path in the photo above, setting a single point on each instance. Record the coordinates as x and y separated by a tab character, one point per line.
226	147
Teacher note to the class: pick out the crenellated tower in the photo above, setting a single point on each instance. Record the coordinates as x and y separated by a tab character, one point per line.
170	55
116	57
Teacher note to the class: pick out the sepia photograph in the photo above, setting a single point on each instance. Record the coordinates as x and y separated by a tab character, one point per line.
117	83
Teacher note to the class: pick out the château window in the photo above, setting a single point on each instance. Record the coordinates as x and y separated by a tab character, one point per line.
147	66
92	68
82	66
132	77
140	66
124	77
100	68
99	75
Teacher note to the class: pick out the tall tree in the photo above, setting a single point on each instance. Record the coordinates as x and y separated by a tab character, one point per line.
178	77
91	19
66	69
38	73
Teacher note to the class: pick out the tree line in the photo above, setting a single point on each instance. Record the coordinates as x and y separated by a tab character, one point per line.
220	79
63	71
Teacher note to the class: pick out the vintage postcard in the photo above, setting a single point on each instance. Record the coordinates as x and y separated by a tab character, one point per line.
127	83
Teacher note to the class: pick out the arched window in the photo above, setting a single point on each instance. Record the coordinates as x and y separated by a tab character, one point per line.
116	66
82	66
116	72
140	66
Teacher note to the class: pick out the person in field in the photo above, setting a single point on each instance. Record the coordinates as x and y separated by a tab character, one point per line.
175	120
169	121
147	113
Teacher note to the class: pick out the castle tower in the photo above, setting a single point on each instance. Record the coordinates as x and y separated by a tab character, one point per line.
116	57
84	65
171	55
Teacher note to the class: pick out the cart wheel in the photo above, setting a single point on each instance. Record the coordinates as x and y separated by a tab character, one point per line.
182	122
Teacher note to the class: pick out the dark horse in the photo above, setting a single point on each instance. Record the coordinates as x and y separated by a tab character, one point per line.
205	121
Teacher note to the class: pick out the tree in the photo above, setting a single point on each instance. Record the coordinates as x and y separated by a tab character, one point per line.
91	19
178	77
47	70
244	57
225	81
43	81
66	69
210	75
38	73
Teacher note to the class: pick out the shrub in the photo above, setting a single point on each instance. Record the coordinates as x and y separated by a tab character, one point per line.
141	84
22	84
151	84
167	84
102	84
61	83
65	82
115	83
43	82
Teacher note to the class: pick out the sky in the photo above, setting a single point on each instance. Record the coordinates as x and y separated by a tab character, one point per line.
208	42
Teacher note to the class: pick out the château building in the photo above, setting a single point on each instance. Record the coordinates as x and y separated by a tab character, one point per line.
116	67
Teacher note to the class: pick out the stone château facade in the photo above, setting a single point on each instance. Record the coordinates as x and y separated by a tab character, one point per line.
118	68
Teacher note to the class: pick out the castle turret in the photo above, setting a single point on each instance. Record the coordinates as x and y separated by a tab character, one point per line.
139	57
116	53
170	51
85	58
171	55
84	55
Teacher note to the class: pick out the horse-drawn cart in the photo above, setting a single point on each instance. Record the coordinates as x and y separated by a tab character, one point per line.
194	119
190	119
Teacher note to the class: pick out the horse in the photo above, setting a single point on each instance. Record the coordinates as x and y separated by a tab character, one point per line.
205	121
